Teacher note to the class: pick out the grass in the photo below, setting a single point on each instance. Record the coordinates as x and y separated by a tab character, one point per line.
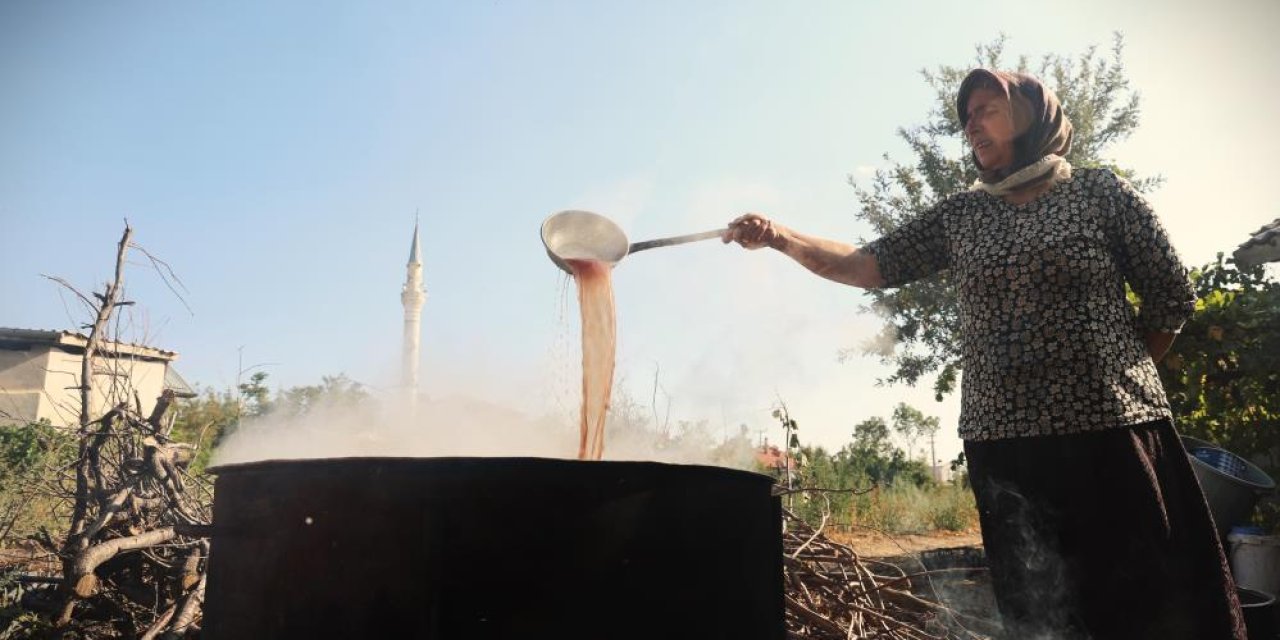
903	509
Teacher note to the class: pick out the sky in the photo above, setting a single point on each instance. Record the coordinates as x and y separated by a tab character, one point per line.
275	154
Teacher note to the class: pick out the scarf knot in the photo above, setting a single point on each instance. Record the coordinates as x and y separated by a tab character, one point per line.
1051	169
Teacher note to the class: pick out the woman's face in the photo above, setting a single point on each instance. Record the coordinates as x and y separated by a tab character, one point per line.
990	128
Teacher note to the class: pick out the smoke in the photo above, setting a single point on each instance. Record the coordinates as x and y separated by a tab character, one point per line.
883	342
1043	597
1039	602
452	427
464	427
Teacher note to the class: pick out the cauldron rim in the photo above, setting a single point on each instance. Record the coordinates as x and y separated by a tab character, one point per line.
272	464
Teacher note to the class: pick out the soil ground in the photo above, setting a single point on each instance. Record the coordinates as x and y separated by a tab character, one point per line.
866	542
28	556
875	544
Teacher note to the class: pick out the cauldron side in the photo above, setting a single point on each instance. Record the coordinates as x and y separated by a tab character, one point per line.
493	548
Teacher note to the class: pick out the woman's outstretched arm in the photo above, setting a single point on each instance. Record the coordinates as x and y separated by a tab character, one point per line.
835	261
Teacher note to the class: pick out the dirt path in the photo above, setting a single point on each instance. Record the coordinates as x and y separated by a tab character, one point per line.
874	544
27	556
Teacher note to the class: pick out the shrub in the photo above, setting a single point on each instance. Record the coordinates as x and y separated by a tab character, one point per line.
906	509
953	508
30	457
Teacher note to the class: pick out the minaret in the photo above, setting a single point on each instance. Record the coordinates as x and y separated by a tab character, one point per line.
412	296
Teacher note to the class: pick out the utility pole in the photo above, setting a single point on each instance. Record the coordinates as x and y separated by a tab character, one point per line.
788	427
789	424
933	461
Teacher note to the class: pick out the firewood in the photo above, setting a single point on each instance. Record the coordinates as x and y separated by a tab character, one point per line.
831	592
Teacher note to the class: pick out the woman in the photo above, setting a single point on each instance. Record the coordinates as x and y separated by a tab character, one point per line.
1093	521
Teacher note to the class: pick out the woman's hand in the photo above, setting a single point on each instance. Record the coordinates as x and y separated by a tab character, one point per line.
754	231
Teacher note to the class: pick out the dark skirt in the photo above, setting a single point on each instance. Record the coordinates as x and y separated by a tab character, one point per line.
1102	535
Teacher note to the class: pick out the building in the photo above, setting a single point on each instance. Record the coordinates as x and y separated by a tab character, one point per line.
40	376
773	459
412	296
1262	247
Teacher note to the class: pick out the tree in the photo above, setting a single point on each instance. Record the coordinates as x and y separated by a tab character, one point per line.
132	553
333	392
872	435
922	317
1222	374
873	459
911	423
255	397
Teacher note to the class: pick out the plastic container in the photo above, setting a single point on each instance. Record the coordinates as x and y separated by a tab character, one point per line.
1259	611
1231	484
1255	559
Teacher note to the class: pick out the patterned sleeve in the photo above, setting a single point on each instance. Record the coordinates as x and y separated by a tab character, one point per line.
1147	260
916	249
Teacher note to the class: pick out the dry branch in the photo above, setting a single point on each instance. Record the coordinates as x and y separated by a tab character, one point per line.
187	612
832	593
132	558
84	580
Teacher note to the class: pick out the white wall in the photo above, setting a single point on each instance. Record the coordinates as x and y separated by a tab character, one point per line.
22	383
41	384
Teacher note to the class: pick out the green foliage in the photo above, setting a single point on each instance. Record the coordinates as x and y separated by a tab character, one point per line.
204	421
333	392
923	316
255	397
960	470
952	508
909	508
31	455
871	437
899	493
879	485
896	510
1222	374
912	425
23	447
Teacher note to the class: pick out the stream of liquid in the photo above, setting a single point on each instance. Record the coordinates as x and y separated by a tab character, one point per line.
599	343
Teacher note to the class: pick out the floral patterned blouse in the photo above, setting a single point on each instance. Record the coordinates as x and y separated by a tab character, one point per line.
1049	343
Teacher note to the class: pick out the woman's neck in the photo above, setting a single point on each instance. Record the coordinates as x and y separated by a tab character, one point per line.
1023	196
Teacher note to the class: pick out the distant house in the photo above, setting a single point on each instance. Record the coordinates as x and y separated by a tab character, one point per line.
772	458
40	376
1263	246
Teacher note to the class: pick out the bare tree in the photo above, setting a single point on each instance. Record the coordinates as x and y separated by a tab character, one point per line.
132	554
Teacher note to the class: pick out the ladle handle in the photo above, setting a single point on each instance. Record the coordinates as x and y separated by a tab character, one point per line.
674	240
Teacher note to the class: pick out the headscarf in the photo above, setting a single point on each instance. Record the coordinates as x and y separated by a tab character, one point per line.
1042	132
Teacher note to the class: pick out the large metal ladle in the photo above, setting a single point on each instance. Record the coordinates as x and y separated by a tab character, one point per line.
582	235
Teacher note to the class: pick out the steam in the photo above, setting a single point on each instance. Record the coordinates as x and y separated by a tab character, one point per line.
883	342
464	427
1046	570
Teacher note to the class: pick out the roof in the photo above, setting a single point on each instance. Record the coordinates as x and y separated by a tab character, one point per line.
72	341
1263	246
176	384
771	457
413	250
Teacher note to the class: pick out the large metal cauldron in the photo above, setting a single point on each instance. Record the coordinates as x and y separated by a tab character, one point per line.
476	548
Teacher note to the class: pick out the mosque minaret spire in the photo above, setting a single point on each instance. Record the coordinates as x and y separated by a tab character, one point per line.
413	295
